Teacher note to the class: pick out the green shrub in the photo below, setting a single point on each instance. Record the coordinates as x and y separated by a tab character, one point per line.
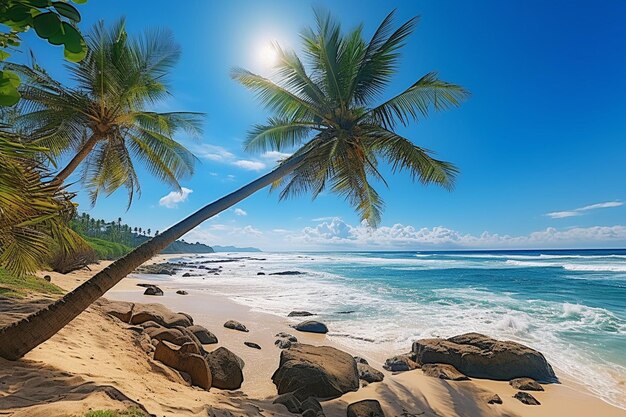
18	287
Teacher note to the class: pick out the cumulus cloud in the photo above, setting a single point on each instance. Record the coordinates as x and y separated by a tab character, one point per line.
581	210
339	233
240	212
249	165
219	154
173	198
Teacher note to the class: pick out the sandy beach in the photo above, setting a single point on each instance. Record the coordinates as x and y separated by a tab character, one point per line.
93	363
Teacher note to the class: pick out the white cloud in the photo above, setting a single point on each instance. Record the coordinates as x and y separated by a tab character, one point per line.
240	212
249	230
249	165
581	210
398	236
173	198
275	155
216	153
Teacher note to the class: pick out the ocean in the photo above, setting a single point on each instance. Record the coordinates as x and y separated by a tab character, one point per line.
570	305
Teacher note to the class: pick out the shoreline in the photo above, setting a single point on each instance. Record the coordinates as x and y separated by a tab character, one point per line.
410	391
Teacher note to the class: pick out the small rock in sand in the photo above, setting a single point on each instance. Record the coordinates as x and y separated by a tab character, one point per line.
260	273
283	343
359	359
525	384
493	399
443	371
287	273
369	374
311	326
252	345
182	292
400	363
235	325
365	408
47	278
153	290
300	314
204	336
526	398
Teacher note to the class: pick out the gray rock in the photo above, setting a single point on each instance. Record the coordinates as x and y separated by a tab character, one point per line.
185	359
493	399
311	326
182	292
287	273
525	384
226	368
290	401
235	325
283	343
400	363
365	408
287	336
153	290
204	336
526	398
369	374
359	359
480	356
300	314
443	371
316	371
252	345
47	278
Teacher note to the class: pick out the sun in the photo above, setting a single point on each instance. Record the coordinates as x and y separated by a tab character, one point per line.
267	55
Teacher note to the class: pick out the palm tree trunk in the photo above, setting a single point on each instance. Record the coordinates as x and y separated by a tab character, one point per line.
76	160
18	338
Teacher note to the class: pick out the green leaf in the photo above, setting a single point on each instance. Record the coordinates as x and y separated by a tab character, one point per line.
17	13
75	56
4	55
9	81
38	3
67	10
72	39
79	1
47	24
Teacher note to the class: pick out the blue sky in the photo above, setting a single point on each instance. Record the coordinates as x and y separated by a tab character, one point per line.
543	131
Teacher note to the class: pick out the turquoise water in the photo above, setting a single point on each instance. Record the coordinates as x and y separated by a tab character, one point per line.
571	305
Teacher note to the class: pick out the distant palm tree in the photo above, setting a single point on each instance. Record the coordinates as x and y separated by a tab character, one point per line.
326	111
104	122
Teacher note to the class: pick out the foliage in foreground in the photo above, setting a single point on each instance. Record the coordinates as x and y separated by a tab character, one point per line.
20	286
131	412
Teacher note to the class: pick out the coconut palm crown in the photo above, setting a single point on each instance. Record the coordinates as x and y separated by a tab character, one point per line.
325	106
103	122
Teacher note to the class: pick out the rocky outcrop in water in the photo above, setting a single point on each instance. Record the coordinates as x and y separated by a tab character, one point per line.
480	356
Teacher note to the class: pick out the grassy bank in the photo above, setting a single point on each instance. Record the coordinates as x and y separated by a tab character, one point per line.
107	249
19	287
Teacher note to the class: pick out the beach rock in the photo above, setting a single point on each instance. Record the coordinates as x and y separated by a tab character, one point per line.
290	401
186	359
369	374
187	275
182	292
149	324
159	314
346	312
288	336
359	359
310	406
204	336
163	333
226	368
526	398
311	326
252	345
525	384
480	356
153	290
287	273
400	363
443	371
316	371
47	278
283	343
493	399
159	269
365	408
121	310
300	314
235	325
260	273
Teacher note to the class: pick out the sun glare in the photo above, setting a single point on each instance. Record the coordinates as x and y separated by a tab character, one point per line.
268	55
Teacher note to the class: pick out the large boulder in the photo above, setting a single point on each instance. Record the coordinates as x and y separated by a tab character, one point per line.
159	314
316	371
480	356
226	368
163	333
311	326
185	358
121	310
443	371
204	336
365	408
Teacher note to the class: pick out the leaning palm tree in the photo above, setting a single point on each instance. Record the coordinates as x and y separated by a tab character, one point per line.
325	110
103	123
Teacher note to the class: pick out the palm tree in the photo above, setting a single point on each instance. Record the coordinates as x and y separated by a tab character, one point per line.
326	111
103	121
